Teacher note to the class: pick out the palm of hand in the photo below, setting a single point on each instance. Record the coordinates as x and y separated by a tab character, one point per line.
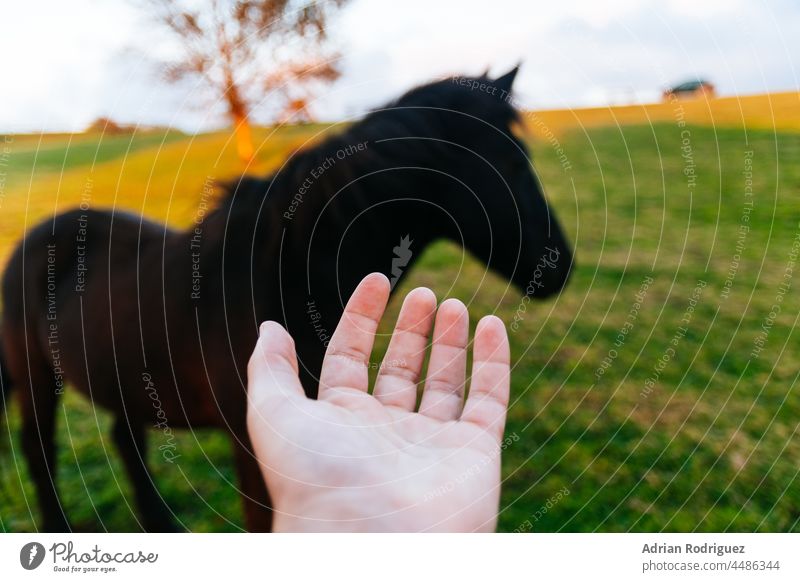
355	461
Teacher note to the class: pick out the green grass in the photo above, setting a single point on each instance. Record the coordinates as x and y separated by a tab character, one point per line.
713	445
42	155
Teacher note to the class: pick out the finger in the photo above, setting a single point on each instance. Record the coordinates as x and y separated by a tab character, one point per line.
443	397
397	380
272	372
346	362
488	393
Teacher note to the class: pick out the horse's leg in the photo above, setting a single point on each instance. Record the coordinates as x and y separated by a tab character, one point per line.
257	504
132	445
38	399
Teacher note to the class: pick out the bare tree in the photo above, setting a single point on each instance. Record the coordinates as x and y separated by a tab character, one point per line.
246	51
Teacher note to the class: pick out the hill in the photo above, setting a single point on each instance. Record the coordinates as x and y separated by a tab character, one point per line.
775	111
676	427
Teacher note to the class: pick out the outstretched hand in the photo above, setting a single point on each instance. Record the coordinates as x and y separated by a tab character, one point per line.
355	461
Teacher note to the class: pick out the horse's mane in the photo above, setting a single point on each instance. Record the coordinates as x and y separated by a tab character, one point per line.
422	112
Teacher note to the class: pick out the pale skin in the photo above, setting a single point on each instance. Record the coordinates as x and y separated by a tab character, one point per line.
355	461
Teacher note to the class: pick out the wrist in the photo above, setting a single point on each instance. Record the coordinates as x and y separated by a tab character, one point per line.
345	511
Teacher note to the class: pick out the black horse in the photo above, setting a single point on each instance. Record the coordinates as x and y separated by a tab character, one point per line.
157	325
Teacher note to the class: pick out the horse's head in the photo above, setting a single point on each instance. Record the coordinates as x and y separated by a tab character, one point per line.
483	182
442	161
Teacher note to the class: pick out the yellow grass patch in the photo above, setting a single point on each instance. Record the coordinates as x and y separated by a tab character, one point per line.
776	111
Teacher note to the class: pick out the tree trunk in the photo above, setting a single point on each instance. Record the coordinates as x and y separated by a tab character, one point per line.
237	108
244	138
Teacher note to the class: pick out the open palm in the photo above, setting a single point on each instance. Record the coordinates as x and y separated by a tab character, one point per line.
354	461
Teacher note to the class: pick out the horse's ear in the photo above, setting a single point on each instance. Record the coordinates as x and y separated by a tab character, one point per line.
505	81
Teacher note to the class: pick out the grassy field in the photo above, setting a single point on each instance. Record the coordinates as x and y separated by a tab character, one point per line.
638	403
772	111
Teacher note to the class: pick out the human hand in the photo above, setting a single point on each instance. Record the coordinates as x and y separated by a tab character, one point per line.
351	461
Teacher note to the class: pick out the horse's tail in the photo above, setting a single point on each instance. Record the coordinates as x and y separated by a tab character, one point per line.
5	381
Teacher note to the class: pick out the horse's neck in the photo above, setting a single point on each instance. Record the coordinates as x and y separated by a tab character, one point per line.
390	249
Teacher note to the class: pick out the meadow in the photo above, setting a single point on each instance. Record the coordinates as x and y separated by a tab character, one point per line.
658	392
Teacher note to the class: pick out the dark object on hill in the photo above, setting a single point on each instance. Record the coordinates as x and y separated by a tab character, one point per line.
690	90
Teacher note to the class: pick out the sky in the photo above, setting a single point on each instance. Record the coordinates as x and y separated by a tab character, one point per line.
66	63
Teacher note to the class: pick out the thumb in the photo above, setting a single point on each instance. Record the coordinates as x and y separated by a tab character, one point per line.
272	373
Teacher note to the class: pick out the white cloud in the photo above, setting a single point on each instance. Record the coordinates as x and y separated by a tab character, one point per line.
64	63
